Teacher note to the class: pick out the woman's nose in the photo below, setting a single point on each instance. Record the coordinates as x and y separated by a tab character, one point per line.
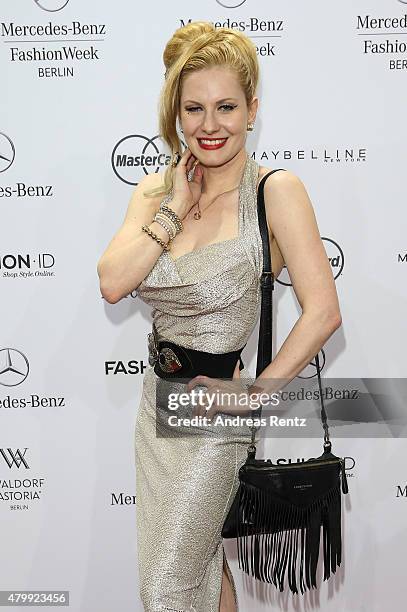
210	124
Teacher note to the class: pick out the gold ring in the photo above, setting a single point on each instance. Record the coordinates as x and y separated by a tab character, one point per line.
175	159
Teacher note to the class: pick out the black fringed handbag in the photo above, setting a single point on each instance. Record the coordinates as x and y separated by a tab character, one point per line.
278	510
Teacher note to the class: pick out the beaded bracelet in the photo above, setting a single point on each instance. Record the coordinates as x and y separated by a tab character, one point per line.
170	231
167	221
165	245
173	216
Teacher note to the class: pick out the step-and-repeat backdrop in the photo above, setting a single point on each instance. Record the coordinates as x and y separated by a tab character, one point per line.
78	130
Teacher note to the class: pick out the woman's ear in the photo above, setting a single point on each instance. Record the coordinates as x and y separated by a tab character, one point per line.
253	106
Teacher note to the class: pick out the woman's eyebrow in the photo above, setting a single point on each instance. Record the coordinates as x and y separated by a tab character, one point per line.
217	102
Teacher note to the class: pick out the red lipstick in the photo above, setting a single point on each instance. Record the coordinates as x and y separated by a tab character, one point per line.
211	143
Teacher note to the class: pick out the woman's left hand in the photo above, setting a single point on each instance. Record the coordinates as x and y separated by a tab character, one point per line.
215	388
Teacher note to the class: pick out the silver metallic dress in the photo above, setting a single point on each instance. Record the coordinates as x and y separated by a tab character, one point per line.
207	300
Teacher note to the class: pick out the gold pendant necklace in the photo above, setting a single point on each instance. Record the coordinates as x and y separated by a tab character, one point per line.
198	214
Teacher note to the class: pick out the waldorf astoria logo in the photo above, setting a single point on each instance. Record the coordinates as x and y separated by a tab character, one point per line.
14	457
136	155
19	487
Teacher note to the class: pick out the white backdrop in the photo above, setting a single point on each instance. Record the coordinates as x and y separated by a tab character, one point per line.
80	89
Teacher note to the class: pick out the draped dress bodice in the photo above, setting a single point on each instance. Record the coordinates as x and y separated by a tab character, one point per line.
209	299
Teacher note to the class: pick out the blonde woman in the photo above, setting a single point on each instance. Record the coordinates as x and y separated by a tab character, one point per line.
190	244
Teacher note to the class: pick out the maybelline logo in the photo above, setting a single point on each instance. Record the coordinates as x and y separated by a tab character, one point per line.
335	256
377	38
22	43
346	154
254	28
121	367
26	265
137	155
22	490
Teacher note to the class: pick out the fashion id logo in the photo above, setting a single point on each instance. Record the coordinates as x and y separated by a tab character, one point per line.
26	265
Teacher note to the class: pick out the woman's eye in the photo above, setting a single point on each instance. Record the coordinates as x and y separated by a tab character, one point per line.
228	107
192	109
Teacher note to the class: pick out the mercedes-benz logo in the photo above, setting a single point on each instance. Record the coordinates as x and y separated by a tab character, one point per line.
14	367
7	152
51	6
231	3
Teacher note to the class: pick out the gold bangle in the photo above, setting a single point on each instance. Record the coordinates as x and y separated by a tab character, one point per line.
166	209
162	218
146	229
168	229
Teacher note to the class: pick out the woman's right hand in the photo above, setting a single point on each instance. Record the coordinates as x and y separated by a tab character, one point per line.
186	193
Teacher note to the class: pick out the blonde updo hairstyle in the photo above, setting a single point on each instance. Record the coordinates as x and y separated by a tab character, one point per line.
193	47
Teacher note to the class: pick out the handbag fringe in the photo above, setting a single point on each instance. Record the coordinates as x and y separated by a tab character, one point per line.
271	532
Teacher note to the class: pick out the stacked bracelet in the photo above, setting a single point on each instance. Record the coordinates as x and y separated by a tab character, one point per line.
167	223
146	229
173	215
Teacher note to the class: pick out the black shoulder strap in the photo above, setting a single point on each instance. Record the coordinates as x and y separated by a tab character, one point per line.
264	352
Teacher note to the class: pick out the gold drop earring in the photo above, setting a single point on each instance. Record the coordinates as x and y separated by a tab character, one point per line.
250	127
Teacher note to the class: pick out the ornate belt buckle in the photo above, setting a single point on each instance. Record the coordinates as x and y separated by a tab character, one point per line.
168	360
166	357
152	349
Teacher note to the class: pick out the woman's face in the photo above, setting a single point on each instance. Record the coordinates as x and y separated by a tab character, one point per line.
214	114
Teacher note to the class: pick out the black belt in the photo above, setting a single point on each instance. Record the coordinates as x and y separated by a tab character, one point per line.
173	361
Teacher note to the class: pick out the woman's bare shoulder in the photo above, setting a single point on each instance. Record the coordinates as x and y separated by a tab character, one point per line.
284	176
